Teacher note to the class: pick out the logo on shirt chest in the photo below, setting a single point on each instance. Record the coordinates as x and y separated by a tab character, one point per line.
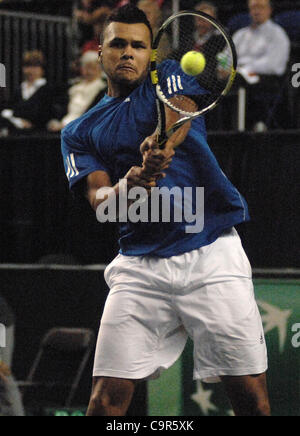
174	84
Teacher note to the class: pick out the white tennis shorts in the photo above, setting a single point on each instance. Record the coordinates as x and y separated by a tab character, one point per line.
154	304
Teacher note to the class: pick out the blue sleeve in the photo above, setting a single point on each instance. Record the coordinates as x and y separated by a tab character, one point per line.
174	81
79	159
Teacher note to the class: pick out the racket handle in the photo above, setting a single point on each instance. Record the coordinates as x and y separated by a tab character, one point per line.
162	145
162	140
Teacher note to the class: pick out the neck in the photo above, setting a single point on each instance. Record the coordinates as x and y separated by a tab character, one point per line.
255	24
32	81
119	90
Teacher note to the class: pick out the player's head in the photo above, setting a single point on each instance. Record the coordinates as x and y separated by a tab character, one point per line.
209	8
125	48
260	10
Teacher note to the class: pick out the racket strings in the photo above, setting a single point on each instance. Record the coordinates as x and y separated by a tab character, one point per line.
219	63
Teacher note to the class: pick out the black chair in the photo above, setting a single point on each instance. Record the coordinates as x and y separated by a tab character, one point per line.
57	368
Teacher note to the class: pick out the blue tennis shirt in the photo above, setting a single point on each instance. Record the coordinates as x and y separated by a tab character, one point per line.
108	138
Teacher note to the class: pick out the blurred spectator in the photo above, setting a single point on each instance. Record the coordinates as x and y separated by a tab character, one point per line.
263	53
85	94
210	42
207	39
91	12
31	106
10	398
153	12
206	36
155	17
264	47
93	44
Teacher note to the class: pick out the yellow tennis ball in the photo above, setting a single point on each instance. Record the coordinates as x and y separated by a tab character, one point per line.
193	63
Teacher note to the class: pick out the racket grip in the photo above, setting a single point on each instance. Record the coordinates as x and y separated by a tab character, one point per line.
162	145
162	140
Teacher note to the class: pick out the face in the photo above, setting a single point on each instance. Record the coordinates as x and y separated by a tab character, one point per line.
204	26
260	11
125	53
32	73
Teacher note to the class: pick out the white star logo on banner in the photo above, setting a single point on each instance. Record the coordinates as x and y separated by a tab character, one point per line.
275	318
203	398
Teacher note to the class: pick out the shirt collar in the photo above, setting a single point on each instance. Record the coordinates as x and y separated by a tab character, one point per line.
36	84
263	26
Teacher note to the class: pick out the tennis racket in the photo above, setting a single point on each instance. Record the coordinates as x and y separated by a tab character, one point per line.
198	94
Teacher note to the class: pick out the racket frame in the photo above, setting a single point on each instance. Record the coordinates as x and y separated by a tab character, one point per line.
161	100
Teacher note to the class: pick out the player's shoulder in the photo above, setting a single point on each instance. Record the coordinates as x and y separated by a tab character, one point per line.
240	33
276	29
80	128
168	65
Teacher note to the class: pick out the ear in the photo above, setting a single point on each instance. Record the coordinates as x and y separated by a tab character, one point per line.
100	52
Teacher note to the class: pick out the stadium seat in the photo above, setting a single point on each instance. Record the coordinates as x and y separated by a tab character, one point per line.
238	21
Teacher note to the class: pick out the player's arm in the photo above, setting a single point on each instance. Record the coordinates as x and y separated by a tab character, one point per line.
150	148
100	179
94	182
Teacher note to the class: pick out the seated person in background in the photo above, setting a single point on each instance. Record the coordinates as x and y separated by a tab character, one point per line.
207	39
205	34
264	47
93	43
31	106
86	93
210	43
155	17
263	51
90	12
153	12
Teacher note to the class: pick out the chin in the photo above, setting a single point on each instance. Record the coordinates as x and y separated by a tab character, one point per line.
130	82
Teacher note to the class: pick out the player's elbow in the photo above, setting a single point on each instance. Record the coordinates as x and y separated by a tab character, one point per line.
90	196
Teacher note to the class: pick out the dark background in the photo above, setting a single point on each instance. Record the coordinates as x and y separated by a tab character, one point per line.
64	7
42	223
39	217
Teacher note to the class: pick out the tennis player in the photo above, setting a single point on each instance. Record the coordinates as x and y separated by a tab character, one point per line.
166	284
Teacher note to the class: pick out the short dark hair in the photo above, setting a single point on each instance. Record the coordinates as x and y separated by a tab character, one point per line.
128	14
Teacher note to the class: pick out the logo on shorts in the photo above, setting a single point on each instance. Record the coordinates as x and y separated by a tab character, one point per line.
262	340
163	205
